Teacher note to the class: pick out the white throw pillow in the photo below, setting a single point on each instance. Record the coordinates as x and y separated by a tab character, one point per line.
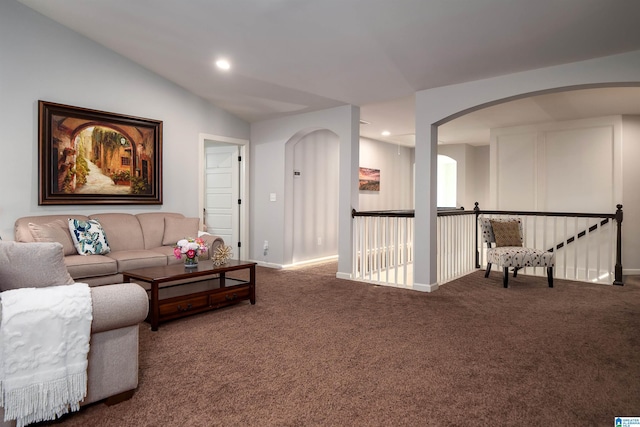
88	237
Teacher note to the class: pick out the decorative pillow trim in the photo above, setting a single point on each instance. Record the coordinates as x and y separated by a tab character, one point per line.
88	237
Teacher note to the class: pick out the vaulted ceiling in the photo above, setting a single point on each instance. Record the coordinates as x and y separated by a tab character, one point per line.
293	56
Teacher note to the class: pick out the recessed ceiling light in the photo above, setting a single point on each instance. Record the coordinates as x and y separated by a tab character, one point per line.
385	133
223	64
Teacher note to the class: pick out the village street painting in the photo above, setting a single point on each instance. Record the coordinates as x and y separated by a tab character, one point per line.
100	160
93	159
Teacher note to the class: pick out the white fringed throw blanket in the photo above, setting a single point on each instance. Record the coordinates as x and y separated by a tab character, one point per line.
44	340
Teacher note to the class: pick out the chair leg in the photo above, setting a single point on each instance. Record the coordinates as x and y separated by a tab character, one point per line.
505	277
550	276
486	273
515	271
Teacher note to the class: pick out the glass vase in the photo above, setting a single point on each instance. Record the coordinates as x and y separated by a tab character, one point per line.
190	262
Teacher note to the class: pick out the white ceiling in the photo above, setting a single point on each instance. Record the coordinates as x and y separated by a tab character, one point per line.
293	56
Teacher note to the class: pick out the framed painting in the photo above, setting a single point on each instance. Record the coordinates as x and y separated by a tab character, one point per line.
92	157
369	179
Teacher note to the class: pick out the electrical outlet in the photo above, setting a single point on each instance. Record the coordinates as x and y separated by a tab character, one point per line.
319	241
266	247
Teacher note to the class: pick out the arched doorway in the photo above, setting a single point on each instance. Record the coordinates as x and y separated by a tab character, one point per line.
466	97
312	184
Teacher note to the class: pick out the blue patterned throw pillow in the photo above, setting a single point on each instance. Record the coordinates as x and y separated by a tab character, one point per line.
88	237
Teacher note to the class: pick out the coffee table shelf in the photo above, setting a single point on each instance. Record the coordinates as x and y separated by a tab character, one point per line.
193	290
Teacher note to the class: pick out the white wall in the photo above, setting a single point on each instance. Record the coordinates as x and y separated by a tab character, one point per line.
480	185
396	175
438	105
42	60
473	173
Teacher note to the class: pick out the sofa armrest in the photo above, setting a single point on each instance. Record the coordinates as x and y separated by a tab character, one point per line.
212	242
118	306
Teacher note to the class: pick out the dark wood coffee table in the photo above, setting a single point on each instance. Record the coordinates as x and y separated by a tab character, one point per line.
193	290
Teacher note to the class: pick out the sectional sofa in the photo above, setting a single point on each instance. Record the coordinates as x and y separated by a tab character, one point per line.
117	311
134	241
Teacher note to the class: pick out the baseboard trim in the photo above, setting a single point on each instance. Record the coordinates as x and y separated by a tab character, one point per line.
296	264
268	265
344	276
425	288
312	261
630	271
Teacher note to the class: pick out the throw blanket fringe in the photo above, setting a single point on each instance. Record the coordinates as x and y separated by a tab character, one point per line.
43	360
44	402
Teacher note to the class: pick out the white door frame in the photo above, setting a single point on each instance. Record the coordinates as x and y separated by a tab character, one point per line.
243	146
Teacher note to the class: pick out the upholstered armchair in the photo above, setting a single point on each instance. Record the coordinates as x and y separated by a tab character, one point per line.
504	239
117	311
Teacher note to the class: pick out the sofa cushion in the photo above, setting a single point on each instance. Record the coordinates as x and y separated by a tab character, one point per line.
32	265
123	230
81	266
152	224
88	237
168	252
179	228
56	231
129	260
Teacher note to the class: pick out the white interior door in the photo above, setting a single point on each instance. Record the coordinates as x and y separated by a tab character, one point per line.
222	192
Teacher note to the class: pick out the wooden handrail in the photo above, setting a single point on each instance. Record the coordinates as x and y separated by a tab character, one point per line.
397	213
408	213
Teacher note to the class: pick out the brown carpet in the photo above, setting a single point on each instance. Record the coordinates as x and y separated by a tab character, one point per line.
318	351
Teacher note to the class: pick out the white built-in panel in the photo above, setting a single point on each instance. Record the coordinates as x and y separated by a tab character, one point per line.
516	178
579	170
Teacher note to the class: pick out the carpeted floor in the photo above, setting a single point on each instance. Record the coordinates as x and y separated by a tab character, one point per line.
318	351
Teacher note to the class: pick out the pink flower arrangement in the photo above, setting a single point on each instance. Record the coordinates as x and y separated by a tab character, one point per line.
189	247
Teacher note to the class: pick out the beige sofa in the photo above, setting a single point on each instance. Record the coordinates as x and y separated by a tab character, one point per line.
135	241
117	311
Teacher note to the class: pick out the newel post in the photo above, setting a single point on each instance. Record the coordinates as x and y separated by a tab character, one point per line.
618	271
476	209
